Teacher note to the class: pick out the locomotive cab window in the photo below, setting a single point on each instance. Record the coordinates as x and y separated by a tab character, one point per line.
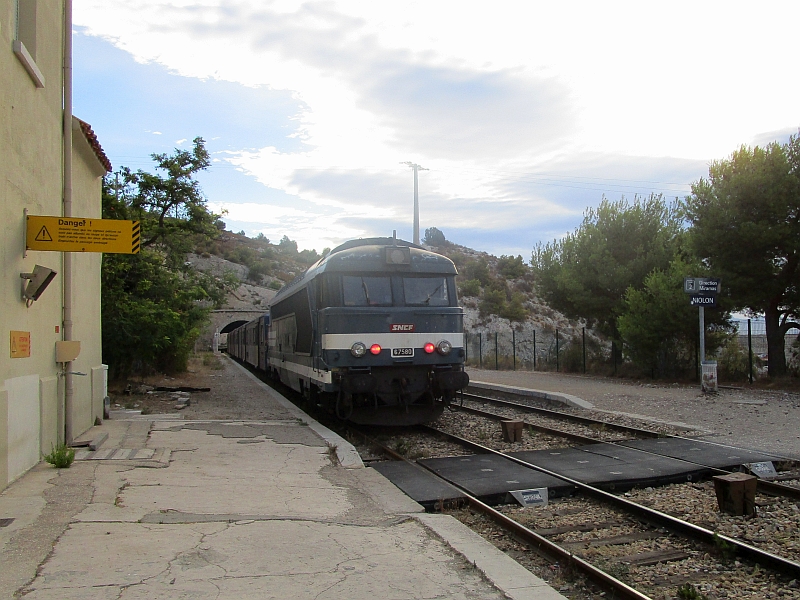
426	291
366	291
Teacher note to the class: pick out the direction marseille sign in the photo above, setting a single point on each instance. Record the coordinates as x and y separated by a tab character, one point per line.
76	234
701	285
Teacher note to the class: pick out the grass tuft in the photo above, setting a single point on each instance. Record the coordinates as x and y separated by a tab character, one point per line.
61	456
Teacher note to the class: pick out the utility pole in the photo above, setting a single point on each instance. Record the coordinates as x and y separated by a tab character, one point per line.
416	169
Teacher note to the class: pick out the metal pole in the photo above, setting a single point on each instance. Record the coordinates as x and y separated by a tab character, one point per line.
702	336
416	204
416	169
534	349
496	353
750	350
557	366
514	346
466	346
584	350
67	279
480	350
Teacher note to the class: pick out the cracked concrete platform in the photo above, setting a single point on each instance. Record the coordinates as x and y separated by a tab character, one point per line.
239	510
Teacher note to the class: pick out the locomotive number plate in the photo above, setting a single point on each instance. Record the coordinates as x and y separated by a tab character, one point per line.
397	352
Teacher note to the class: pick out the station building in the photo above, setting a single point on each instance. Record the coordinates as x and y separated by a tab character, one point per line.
47	169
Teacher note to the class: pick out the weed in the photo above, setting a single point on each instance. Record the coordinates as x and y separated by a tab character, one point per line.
402	447
688	592
332	454
146	410
726	550
61	456
617	570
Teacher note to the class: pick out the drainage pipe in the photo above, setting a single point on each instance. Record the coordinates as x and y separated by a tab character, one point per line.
69	390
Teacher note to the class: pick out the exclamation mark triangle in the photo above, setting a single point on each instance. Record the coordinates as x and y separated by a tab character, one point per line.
43	235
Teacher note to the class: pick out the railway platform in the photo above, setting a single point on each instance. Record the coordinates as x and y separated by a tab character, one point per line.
275	508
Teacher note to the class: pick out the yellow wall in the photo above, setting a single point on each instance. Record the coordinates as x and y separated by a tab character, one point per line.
31	178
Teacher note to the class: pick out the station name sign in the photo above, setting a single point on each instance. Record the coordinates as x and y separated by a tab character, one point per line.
78	234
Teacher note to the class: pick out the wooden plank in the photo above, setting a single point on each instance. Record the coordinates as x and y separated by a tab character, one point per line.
652	558
579	527
98	441
614	541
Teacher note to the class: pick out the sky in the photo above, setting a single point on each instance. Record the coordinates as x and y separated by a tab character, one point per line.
524	113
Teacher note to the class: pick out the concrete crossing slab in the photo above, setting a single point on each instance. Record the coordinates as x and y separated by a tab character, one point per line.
700	452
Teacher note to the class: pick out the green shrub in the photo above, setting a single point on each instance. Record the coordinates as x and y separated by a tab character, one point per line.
61	456
471	287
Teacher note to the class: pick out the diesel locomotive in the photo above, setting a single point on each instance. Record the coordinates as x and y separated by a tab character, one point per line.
371	332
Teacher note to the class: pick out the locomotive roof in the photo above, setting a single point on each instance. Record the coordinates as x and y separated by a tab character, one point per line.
368	254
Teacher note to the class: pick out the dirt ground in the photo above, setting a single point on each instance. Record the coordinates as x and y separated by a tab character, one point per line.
763	419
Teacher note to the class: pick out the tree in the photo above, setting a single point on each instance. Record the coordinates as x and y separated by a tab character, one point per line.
746	226
511	267
153	304
434	237
660	328
169	203
587	273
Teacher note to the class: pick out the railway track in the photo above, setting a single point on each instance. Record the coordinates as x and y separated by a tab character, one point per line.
595	431
623	543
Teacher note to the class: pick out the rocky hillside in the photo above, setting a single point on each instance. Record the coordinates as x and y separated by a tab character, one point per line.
498	293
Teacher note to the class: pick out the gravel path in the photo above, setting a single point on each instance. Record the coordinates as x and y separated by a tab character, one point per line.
764	420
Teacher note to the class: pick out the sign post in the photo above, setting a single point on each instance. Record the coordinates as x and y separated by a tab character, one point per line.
703	293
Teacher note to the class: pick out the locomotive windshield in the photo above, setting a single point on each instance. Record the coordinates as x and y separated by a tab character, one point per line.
425	291
366	291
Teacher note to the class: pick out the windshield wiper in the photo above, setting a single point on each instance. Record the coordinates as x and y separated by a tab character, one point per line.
366	291
428	299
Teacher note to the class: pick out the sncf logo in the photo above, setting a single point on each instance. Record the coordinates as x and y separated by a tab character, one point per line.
401	327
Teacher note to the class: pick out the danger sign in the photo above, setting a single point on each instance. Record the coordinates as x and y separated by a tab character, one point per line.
77	234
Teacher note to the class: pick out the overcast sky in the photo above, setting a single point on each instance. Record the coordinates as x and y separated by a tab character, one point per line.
525	112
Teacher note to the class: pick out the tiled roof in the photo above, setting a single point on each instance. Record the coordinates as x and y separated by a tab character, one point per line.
91	137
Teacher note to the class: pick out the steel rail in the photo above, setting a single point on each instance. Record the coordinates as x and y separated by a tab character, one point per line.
541	544
575	437
565	416
770	488
780	564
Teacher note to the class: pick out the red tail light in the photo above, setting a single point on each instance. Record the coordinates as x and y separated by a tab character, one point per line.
429	348
375	349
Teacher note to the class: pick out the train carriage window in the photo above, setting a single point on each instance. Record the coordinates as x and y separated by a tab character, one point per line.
426	291
366	291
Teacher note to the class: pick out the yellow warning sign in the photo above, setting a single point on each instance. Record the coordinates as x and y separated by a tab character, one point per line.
76	234
20	344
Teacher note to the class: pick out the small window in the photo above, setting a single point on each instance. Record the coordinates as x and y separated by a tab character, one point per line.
426	291
366	291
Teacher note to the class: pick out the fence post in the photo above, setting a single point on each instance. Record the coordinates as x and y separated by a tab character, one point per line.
584	350
557	365
614	356
496	353
480	350
514	346
750	350
534	349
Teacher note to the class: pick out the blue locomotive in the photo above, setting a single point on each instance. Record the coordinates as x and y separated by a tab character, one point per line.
372	332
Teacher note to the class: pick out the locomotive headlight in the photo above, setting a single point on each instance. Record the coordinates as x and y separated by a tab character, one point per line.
444	347
358	349
375	349
429	348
